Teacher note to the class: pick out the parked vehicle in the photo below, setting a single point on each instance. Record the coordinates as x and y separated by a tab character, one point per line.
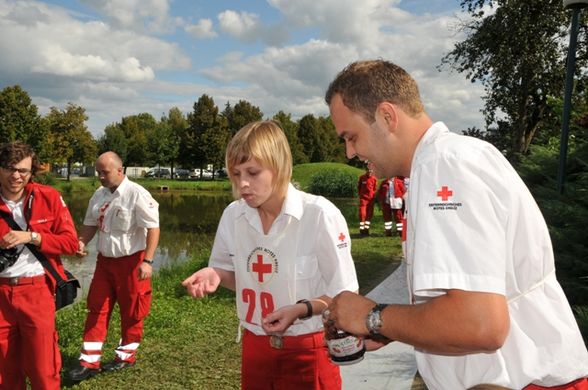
220	173
181	173
197	173
162	173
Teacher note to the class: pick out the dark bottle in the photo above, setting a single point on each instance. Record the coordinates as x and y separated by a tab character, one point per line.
344	348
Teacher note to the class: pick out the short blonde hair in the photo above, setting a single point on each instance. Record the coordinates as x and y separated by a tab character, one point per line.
266	142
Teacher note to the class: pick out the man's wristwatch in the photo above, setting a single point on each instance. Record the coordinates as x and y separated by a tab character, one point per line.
34	237
150	262
308	309
374	322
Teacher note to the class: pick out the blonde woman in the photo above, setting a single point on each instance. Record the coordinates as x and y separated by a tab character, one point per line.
285	253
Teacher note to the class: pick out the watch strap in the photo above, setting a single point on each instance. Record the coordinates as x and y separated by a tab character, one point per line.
308	309
374	321
150	262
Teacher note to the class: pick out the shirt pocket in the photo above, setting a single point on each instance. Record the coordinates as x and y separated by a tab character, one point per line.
121	219
42	224
306	267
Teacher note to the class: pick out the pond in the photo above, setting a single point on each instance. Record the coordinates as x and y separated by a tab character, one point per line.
188	223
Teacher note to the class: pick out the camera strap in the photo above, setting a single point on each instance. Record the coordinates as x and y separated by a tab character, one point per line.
34	250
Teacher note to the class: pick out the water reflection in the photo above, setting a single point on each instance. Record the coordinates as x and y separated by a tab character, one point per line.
188	223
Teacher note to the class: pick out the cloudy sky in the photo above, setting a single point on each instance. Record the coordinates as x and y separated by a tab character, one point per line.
123	57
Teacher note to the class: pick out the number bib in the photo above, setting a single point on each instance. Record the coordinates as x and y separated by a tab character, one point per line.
265	272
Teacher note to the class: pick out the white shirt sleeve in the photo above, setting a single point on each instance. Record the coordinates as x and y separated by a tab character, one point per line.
460	241
223	249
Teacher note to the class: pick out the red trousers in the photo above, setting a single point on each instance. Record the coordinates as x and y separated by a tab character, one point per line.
366	210
116	280
579	384
302	363
28	339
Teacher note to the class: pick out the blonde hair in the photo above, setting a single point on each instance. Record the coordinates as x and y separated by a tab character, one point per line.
266	142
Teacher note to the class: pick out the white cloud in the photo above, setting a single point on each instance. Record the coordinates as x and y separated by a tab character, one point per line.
241	25
202	29
139	15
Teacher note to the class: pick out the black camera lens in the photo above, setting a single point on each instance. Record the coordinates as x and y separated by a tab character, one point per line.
8	257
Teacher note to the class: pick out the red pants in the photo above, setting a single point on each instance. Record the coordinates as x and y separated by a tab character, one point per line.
579	384
28	339
116	280
366	210
303	363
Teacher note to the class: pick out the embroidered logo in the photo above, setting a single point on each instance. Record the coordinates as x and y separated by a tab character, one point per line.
262	264
343	243
445	194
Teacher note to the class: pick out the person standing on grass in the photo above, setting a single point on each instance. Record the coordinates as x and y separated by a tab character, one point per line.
366	188
28	338
486	307
284	252
126	217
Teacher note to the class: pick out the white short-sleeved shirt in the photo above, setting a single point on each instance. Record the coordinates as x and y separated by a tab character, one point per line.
122	218
306	254
473	225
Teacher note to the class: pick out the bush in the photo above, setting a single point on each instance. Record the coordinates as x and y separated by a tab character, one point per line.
333	183
46	178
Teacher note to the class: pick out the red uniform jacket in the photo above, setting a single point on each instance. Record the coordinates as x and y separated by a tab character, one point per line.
366	187
48	215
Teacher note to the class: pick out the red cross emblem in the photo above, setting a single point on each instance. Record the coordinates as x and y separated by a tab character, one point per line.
341	237
261	268
445	193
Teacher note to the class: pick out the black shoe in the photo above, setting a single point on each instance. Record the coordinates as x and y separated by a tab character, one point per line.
116	365
388	232
81	373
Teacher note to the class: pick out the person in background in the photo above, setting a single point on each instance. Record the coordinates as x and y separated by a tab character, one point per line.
126	217
384	201
366	187
285	253
28	338
485	305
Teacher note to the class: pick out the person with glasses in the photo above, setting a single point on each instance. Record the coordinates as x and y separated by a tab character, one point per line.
28	337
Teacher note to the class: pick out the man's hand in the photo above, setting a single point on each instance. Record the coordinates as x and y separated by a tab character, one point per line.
81	252
14	238
348	312
202	282
145	271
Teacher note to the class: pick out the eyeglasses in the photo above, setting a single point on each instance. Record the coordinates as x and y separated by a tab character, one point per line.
21	171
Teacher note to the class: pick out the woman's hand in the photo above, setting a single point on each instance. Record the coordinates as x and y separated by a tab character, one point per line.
202	282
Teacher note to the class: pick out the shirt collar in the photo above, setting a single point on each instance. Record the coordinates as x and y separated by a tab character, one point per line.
121	187
292	205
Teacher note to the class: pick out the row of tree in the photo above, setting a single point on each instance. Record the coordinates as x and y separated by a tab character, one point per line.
191	141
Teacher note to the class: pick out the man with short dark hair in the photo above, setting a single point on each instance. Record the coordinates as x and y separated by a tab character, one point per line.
486	307
28	338
126	217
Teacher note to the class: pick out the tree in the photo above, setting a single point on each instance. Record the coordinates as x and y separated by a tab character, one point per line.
135	128
518	54
72	141
319	140
203	122
240	115
177	124
291	130
20	120
113	140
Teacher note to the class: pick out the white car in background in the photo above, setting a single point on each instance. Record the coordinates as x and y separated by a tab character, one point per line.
197	173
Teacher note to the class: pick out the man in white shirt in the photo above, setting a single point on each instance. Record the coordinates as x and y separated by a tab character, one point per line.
486	307
126	217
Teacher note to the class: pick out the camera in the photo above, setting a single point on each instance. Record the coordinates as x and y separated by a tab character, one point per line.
8	257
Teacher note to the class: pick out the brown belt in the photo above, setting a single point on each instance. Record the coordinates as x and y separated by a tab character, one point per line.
22	280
